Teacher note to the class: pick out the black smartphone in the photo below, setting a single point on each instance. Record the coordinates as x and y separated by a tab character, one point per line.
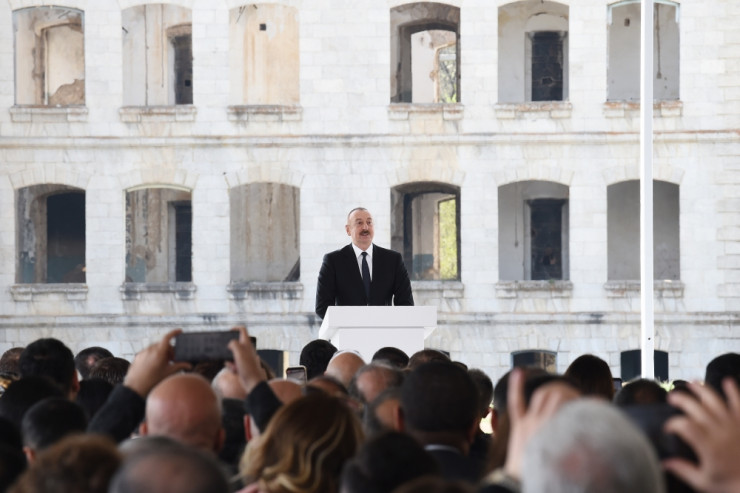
297	373
617	382
195	347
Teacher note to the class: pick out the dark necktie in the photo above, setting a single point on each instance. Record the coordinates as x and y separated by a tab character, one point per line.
366	275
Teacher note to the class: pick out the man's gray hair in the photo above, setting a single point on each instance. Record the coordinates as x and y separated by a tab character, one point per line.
590	447
353	210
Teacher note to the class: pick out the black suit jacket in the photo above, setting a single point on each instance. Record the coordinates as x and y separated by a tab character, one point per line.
340	281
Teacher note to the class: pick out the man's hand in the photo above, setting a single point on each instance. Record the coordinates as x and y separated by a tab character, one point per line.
246	361
711	428
545	401
152	365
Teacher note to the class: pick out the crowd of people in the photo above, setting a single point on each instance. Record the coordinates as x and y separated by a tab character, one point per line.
397	424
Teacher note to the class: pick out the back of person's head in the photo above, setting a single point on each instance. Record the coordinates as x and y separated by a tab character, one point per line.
75	464
385	462
426	356
640	391
590	447
439	397
227	385
534	379
9	361
315	357
393	356
92	395
344	365
372	379
112	370
50	420
12	460
592	376
85	359
328	385
304	447
380	414
185	407
23	394
485	390
158	464
51	359
725	365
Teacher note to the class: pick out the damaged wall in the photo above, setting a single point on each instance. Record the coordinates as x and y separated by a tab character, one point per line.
265	232
623	69
407	20
623	231
425	67
50	234
517	225
151	73
49	56
416	230
516	23
154	237
264	58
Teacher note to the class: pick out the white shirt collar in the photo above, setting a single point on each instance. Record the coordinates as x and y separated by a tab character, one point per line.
358	250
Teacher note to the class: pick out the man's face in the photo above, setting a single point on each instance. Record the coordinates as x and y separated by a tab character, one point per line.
360	228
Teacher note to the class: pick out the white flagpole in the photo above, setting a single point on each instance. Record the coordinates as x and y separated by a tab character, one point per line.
647	332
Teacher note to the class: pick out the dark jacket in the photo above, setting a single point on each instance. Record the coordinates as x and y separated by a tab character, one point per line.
340	281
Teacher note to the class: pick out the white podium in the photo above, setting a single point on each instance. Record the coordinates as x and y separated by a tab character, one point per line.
366	329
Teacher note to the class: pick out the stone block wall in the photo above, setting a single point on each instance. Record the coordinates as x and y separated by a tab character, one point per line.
345	145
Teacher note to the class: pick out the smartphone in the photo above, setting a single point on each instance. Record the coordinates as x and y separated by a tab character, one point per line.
297	373
617	382
195	347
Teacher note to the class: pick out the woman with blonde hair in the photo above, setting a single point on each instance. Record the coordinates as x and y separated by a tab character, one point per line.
303	448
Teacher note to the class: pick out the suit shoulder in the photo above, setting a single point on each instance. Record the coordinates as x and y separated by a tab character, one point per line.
386	251
339	253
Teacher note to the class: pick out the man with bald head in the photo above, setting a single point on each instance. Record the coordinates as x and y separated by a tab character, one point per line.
185	408
343	366
362	273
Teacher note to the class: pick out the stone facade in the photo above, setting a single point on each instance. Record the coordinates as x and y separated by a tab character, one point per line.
345	144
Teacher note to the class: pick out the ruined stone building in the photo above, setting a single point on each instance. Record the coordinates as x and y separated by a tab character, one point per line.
188	163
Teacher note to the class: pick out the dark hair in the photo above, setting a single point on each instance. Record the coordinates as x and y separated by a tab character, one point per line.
425	356
534	379
485	390
640	391
12	460
76	464
592	376
23	394
385	462
12	464
160	462
724	365
112	370
9	361
439	396
49	358
50	420
92	395
392	355
315	357
86	358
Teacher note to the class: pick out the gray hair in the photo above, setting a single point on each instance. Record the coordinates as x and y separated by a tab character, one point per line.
590	447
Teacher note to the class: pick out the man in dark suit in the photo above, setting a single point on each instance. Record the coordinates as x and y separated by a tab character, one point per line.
362	273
